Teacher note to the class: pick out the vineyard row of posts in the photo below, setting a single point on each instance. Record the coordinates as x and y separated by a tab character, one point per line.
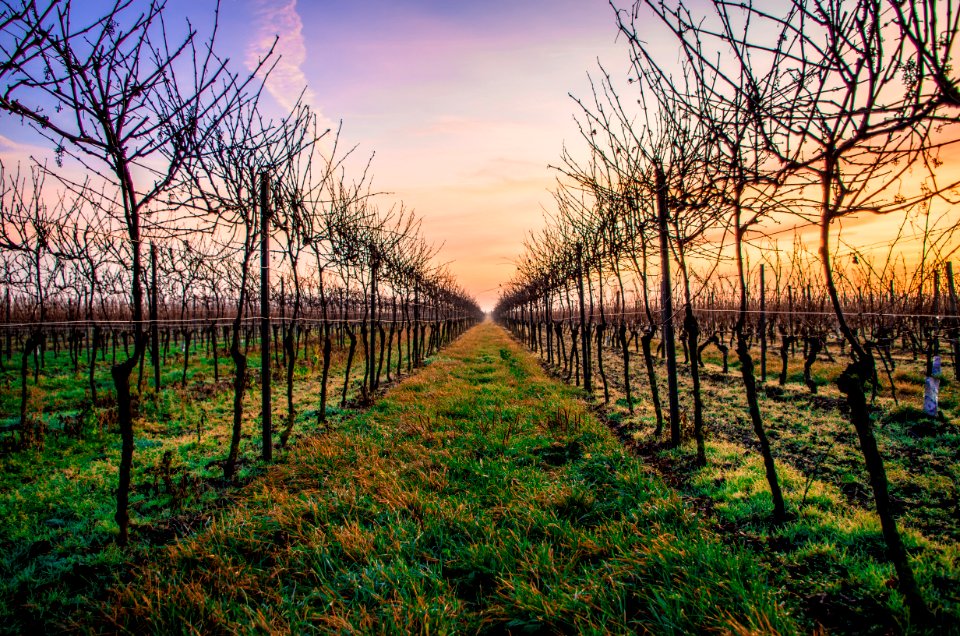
168	182
808	114
926	326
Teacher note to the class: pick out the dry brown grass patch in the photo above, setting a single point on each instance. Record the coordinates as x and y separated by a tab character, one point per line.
356	543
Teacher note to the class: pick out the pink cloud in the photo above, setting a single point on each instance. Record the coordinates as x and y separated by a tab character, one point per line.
279	21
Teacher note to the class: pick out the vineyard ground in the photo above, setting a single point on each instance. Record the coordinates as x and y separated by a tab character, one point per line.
479	494
810	433
57	499
831	555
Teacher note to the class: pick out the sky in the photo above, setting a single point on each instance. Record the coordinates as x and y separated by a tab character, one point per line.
465	104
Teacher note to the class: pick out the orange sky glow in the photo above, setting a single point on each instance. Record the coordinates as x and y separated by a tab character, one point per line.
465	105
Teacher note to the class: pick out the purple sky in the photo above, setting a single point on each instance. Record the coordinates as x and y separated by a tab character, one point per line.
464	103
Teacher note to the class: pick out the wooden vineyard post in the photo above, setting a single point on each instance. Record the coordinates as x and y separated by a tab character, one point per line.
374	324
954	342
763	327
416	328
585	357
666	309
283	327
9	334
266	414
154	317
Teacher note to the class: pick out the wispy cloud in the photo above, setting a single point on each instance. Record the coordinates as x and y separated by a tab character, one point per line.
278	20
9	146
12	151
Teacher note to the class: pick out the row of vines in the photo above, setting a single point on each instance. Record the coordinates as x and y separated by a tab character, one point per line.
809	116
177	213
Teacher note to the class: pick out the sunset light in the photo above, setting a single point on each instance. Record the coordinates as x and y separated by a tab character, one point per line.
502	316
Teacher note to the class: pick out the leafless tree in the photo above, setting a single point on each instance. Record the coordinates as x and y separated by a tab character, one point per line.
120	95
736	174
84	241
863	99
28	224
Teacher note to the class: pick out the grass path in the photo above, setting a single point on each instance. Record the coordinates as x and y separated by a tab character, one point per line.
478	495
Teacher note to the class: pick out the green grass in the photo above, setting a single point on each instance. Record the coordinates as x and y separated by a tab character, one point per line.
831	557
832	554
57	500
477	496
